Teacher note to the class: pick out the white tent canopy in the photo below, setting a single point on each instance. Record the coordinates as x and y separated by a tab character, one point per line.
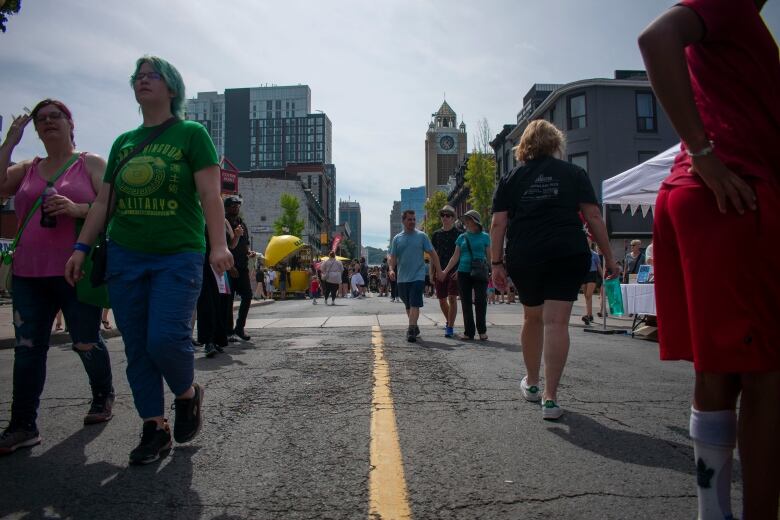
638	187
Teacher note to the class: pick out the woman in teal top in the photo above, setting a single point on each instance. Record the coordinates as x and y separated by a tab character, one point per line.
474	244
162	196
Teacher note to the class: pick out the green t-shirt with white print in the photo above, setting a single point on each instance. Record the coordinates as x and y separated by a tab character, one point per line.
158	209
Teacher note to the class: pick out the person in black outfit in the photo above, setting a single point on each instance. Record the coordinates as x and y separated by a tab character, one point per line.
239	276
215	310
547	254
364	275
394	290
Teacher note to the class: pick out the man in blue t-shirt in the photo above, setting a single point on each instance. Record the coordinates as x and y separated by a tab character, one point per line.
407	266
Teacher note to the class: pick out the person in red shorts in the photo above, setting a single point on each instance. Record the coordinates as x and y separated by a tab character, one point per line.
443	241
714	67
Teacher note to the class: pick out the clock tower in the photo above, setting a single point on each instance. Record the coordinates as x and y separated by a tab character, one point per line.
445	148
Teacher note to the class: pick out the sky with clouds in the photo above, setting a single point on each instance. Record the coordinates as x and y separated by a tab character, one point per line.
378	69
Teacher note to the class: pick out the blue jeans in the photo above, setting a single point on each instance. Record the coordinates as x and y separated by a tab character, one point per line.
153	297
36	302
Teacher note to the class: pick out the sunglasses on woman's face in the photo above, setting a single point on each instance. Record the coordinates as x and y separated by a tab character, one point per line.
446	215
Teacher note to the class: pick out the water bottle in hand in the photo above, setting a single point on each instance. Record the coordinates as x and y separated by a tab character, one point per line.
614	296
48	221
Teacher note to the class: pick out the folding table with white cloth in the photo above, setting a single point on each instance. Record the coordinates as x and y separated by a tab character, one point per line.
636	189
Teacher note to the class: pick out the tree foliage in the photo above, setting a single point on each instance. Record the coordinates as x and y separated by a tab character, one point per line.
481	181
348	248
375	255
432	207
289	219
481	173
7	8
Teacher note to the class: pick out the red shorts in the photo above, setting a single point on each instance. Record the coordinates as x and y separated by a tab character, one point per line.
717	280
449	287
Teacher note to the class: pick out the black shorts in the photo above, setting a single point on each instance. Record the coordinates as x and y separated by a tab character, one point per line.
593	277
557	279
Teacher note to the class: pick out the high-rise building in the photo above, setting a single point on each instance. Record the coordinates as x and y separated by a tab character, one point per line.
264	127
395	219
349	211
445	148
414	199
271	129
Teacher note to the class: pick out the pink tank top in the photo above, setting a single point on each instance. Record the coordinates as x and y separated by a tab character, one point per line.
45	251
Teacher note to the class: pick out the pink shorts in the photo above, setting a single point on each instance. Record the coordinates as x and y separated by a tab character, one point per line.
717	280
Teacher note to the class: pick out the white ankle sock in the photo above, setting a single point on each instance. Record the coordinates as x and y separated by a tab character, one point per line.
714	436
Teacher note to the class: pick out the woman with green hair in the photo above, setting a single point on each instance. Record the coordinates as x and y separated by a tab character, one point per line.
156	250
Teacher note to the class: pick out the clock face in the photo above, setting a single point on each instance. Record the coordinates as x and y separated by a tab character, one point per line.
447	142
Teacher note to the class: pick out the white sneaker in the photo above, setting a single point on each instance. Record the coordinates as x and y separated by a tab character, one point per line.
531	393
551	411
314	302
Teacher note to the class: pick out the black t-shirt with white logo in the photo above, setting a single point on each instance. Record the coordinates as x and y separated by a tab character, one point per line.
544	220
444	244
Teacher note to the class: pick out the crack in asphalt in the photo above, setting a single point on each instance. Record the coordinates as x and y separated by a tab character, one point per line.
561	496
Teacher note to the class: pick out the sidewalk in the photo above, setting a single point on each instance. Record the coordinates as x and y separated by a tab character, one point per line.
8	340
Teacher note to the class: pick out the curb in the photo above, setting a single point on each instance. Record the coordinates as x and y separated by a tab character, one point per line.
63	338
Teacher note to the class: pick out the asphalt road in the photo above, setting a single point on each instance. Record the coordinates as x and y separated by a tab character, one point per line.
288	429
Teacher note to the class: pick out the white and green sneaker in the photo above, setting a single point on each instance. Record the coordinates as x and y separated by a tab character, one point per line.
551	411
531	393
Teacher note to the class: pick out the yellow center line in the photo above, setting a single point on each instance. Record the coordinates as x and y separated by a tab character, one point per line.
387	486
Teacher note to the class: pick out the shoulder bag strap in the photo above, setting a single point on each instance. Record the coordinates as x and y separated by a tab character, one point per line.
468	243
39	200
135	151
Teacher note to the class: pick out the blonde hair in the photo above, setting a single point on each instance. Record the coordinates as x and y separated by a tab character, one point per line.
540	138
636	242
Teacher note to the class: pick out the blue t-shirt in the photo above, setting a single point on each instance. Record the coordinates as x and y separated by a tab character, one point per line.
595	261
479	241
408	249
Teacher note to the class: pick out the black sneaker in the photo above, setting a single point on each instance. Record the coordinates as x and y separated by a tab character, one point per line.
219	348
232	339
100	410
14	438
154	442
416	331
189	416
211	350
243	335
411	337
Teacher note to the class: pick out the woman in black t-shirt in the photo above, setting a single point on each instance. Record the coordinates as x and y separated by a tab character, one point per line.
536	207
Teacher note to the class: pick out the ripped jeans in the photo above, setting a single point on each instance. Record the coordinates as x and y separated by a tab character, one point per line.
36	302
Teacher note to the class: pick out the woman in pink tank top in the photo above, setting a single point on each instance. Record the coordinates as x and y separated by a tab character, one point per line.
39	286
